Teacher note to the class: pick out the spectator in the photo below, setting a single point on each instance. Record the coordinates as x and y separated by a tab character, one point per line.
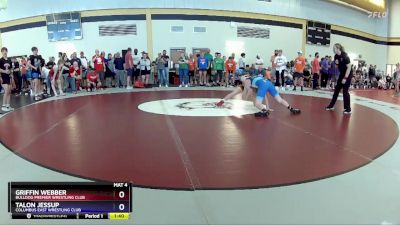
74	73
6	79
389	82
78	79
324	72
66	64
24	74
307	74
120	74
242	63
136	66
210	59
145	67
315	71
280	61
371	73
382	83
129	67
160	63
251	69
230	67
219	65
259	72
49	65
99	66
192	70
299	63
36	62
202	66
166	59
16	75
110	70
259	62
85	66
154	73
332	73
183	70
233	56
93	81
55	79
396	77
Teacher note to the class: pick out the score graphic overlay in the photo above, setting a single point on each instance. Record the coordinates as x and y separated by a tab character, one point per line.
77	200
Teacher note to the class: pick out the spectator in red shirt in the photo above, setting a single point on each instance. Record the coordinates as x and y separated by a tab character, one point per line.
230	67
129	68
316	70
192	69
74	73
99	65
55	79
93	81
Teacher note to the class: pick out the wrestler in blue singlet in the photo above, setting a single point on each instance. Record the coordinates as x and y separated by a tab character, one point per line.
263	87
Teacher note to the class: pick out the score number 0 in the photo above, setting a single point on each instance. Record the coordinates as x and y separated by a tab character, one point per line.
121	206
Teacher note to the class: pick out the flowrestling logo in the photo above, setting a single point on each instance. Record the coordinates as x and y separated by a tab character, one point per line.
202	107
377	15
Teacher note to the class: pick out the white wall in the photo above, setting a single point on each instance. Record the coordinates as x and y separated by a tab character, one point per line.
394	31
320	10
20	42
221	37
371	53
394	18
393	54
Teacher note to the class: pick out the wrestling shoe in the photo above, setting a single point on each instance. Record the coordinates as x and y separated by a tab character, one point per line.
295	111
262	113
220	103
347	111
5	109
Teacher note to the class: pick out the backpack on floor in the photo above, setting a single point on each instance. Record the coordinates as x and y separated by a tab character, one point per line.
138	84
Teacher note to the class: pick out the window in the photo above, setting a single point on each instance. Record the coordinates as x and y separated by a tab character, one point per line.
199	29
177	29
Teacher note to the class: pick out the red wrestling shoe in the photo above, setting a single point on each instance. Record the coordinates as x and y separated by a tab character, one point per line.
220	103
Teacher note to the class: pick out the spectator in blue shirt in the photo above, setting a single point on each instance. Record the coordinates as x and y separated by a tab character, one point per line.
324	71
120	73
202	66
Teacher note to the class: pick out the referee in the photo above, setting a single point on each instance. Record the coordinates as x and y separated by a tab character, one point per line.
344	81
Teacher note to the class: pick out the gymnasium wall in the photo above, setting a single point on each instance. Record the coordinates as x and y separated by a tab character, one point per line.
372	53
394	31
154	34
302	9
394	18
222	37
394	54
20	42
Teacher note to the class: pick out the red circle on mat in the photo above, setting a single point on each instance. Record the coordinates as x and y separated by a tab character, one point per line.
107	138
